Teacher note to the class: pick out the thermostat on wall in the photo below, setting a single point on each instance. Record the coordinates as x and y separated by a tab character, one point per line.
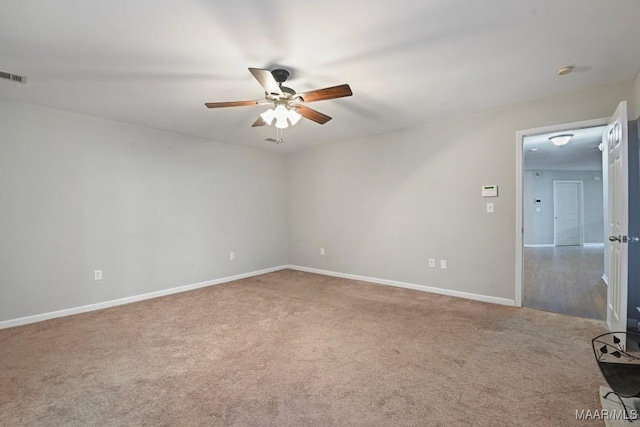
489	191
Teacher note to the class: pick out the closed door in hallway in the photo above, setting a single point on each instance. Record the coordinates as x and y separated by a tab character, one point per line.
567	215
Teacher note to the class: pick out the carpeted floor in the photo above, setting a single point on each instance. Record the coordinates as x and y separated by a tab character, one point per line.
298	349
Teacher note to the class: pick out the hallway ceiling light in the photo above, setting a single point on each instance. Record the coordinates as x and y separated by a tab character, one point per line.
561	140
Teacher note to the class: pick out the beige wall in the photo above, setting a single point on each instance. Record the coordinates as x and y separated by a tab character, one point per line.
78	194
382	206
637	93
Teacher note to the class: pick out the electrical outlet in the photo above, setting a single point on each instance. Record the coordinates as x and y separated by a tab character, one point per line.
232	256
489	207
191	262
432	262
321	251
97	275
443	264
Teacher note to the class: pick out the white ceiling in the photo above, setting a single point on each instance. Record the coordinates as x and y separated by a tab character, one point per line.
155	63
581	153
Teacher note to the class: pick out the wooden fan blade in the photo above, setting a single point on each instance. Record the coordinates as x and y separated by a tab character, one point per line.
231	104
266	79
312	114
326	93
258	122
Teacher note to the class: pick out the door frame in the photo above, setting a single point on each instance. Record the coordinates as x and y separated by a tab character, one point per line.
580	209
520	135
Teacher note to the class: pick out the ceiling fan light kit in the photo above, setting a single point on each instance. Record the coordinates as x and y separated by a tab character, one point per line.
283	115
287	105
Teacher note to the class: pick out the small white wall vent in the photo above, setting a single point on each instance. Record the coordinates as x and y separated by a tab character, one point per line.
13	77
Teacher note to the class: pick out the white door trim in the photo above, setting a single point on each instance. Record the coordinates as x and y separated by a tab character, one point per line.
580	210
520	135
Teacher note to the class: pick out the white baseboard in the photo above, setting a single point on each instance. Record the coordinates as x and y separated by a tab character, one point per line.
459	294
121	301
545	245
593	245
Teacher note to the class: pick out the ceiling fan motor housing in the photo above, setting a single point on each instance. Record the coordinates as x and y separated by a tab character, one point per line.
280	75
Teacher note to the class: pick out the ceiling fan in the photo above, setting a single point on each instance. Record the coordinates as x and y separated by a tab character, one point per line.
287	105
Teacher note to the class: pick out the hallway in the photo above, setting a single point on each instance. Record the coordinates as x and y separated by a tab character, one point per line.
566	280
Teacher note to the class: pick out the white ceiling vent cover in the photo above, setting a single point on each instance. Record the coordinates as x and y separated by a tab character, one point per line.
13	77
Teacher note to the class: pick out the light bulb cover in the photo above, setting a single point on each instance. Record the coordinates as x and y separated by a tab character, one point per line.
281	112
281	123
561	140
268	116
294	117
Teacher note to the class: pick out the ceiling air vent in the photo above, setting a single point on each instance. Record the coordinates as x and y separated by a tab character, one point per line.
13	77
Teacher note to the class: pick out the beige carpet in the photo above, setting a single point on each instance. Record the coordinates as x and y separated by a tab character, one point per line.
298	349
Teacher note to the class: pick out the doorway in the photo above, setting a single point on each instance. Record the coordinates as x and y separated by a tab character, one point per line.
561	207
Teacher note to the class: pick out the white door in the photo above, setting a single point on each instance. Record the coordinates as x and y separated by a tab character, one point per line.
566	208
615	138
